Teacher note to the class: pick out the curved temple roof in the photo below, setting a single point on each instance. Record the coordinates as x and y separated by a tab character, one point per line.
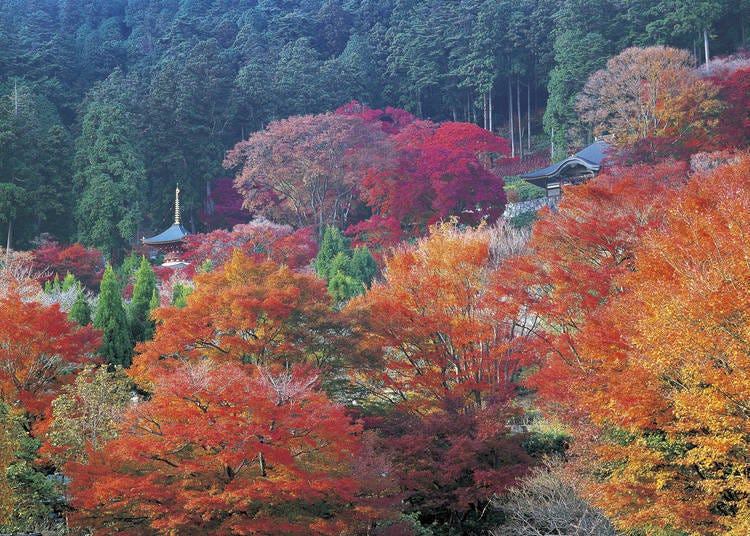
589	158
174	234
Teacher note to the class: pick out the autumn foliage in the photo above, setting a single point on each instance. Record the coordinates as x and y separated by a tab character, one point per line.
263	405
439	348
223	448
257	313
643	344
86	264
38	348
649	93
382	174
260	239
238	437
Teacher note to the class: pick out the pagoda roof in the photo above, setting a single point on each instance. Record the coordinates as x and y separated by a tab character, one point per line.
176	233
590	158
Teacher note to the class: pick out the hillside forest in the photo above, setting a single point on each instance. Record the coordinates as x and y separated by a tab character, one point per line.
359	339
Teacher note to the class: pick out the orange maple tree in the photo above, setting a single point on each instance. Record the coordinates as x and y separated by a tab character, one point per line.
223	448
578	254
434	327
679	399
248	312
439	348
654	358
238	436
38	345
646	93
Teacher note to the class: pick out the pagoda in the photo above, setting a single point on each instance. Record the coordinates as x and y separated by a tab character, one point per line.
170	241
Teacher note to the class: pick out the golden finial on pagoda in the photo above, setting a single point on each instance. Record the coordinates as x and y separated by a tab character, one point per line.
177	205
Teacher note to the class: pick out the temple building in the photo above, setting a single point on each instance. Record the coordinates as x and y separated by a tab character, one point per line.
170	242
575	169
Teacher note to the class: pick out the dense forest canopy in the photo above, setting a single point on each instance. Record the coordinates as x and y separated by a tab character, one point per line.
358	337
182	81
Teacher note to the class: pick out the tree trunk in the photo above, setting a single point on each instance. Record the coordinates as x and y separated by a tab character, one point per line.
510	119
262	464
10	235
695	52
552	145
490	103
705	44
528	118
484	110
518	110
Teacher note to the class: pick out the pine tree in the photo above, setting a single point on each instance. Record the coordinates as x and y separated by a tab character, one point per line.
110	317
343	288
69	282
141	326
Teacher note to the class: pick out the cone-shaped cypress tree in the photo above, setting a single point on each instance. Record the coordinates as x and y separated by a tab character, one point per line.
141	326
80	313
331	245
363	266
180	293
110	317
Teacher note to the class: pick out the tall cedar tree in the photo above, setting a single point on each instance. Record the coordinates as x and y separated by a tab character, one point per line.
109	178
80	313
331	245
141	325
110	317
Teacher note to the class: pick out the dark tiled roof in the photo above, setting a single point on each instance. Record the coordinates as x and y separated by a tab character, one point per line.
590	157
174	234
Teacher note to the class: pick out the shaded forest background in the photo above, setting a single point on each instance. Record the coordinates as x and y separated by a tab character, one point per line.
164	88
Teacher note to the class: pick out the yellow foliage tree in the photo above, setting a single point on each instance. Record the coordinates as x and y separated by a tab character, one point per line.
648	92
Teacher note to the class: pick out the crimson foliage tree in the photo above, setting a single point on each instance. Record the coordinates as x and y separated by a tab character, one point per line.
86	264
222	208
432	172
238	437
439	348
260	238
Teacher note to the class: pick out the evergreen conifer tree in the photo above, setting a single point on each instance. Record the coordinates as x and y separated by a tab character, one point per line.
180	293
141	325
343	288
69	282
363	265
110	317
331	245
80	313
109	176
